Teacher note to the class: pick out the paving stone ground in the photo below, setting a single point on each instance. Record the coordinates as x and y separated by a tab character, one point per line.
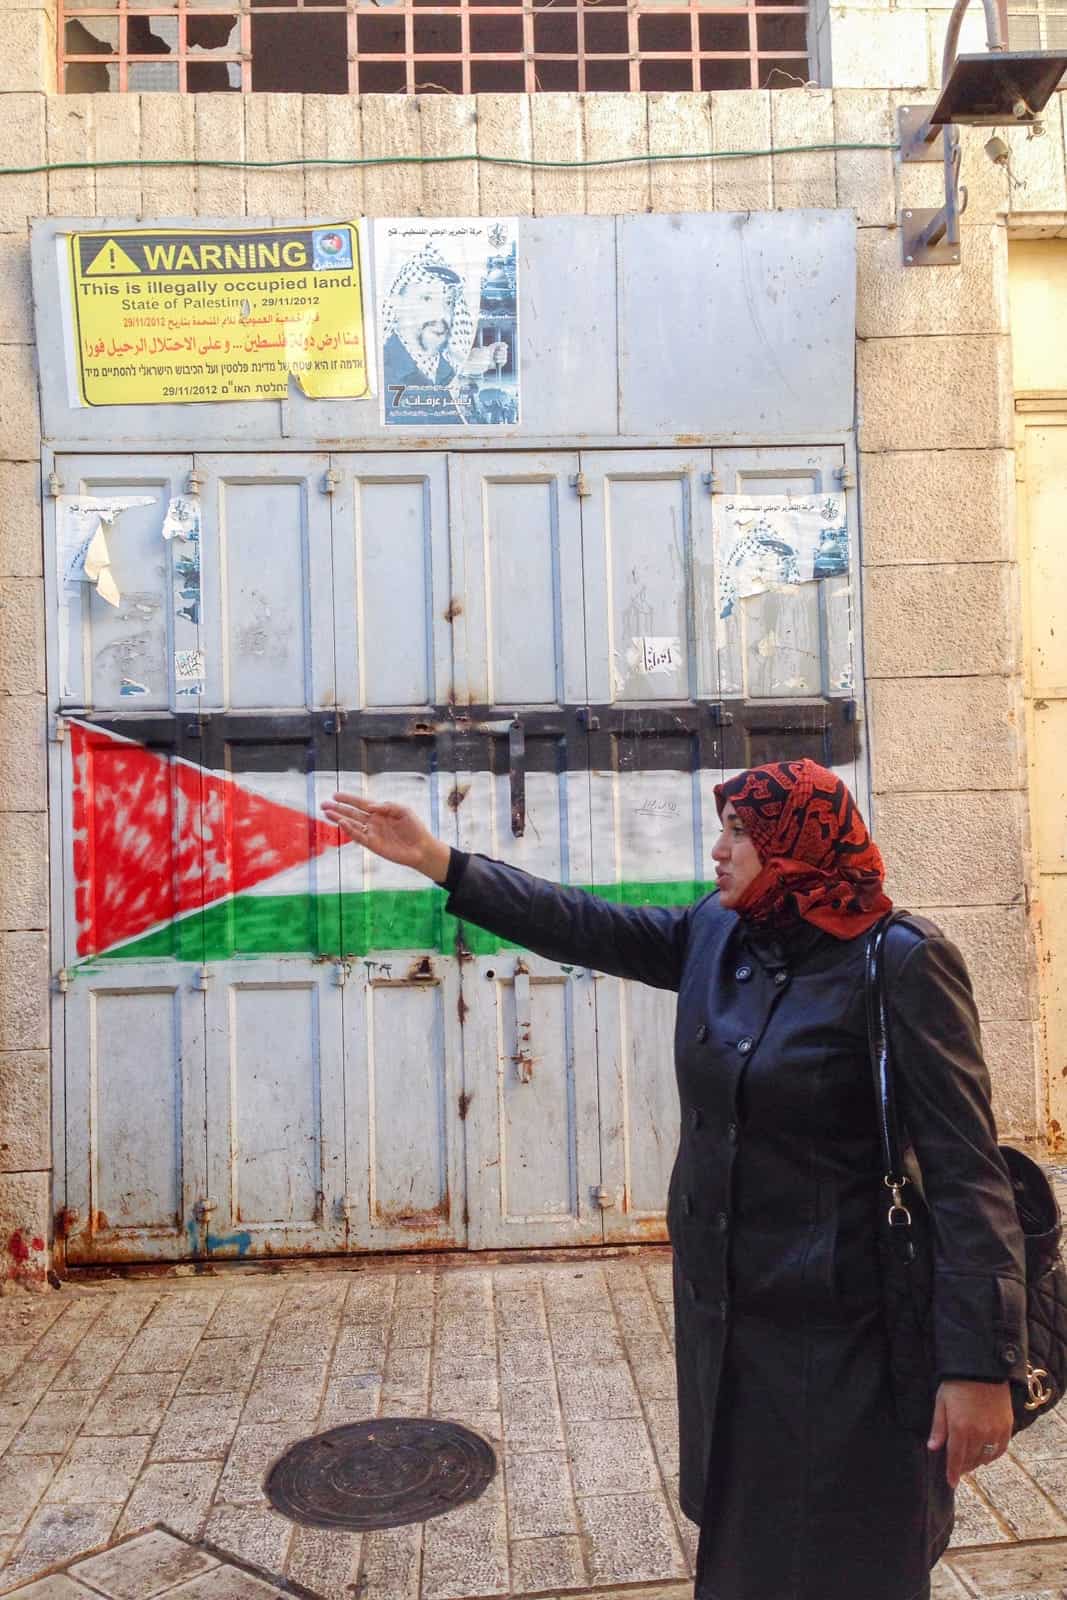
134	1403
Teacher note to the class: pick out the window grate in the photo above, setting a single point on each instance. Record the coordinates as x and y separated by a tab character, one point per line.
1037	24
428	46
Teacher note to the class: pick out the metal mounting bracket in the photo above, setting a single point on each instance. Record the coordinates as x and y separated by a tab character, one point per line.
919	138
925	236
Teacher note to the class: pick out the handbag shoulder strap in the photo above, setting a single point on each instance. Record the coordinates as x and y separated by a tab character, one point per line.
881	1054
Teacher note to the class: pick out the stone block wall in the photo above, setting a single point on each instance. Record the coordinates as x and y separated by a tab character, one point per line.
941	616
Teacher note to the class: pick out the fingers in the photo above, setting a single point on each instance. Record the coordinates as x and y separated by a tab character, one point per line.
939	1427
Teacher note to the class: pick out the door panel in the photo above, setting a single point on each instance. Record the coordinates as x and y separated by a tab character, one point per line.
648	565
267	582
655	756
532	1120
122	657
391	581
517	563
787	654
403	1087
275	1109
135	1150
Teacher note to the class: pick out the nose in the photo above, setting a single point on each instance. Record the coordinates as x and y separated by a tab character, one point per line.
721	851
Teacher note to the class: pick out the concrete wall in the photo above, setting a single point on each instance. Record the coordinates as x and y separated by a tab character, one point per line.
935	403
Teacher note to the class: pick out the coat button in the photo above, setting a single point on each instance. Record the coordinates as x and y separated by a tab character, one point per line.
744	1045
702	1033
722	1222
781	977
743	974
695	1119
687	1205
1009	1354
724	1305
731	1133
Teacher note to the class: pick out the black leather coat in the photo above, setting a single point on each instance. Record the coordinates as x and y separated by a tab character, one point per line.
792	1461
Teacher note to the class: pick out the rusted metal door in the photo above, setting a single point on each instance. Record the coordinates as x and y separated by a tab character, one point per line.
275	1045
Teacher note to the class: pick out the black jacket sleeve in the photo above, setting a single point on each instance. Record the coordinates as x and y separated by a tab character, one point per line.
646	943
944	1096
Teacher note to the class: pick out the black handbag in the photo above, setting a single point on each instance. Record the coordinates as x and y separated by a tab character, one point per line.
906	1255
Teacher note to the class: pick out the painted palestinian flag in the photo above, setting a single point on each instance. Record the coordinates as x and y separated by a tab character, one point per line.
226	855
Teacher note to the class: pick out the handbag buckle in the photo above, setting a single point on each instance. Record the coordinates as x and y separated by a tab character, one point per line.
1036	1381
899	1215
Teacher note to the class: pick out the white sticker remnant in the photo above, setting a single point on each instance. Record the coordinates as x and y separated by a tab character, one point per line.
82	551
96	567
189	671
182	520
655	656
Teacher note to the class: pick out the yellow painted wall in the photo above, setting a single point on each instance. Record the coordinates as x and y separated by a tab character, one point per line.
1038	296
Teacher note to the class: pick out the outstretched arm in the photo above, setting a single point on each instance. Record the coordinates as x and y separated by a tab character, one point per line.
646	943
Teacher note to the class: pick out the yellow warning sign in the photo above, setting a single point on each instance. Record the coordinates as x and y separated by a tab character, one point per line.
171	316
111	258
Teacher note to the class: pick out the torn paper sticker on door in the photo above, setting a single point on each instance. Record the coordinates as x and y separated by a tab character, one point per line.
182	520
189	671
655	656
82	551
766	540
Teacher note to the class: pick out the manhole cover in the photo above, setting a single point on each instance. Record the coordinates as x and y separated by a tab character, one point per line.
380	1474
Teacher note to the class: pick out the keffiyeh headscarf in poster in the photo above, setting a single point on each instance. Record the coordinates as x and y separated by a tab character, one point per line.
435	327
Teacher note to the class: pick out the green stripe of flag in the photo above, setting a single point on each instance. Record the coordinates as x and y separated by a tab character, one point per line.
350	924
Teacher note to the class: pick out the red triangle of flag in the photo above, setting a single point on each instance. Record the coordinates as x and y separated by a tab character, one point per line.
156	838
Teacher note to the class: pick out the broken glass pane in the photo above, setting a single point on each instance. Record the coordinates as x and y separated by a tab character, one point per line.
150	76
92	36
212	77
151	36
90	77
213	33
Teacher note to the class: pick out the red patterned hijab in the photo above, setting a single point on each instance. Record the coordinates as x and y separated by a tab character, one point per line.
819	863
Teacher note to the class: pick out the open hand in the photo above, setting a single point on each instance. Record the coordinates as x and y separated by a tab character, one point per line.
974	1420
390	831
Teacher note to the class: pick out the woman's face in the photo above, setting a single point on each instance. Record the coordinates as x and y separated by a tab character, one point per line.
735	858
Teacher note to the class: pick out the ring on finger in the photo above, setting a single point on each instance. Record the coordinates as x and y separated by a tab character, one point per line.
990	1450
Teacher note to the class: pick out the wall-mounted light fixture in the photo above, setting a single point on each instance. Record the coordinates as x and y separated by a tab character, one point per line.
989	90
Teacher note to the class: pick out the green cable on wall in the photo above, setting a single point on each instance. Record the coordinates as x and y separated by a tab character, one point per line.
438	160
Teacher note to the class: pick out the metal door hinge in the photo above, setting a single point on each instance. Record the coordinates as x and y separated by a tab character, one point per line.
580	485
54	485
331	480
341	970
202	979
845	477
604	1198
194	482
62	980
59	730
711	482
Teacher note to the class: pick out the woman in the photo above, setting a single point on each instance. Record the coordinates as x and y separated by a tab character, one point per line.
804	1485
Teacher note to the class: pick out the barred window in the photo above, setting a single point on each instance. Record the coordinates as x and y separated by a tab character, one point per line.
427	46
1037	24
